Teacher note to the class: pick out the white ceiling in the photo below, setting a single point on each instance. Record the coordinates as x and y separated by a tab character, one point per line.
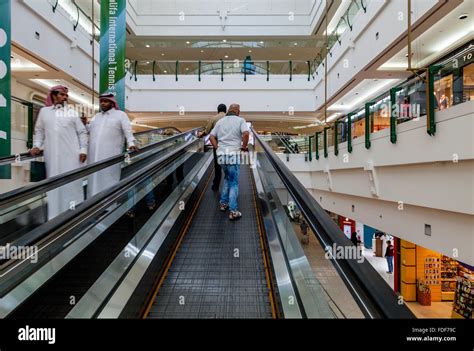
365	91
437	41
211	7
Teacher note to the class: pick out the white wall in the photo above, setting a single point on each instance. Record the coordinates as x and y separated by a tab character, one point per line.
360	47
256	94
58	45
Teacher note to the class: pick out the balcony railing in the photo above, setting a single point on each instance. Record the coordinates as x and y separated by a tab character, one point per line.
78	17
223	68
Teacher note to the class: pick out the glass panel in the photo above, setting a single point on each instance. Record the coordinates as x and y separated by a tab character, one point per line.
443	88
380	116
46	206
358	124
317	282
352	12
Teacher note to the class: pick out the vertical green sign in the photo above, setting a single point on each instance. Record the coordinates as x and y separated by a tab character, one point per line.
112	48
5	87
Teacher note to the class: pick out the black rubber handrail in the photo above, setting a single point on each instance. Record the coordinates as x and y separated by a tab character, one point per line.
25	156
375	297
12	197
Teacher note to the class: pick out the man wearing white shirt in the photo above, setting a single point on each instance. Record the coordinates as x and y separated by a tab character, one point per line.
63	138
229	137
108	131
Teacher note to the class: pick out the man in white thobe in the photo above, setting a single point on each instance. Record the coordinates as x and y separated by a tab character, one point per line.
63	138
108	131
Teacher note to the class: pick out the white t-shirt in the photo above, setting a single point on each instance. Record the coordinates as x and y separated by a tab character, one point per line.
228	131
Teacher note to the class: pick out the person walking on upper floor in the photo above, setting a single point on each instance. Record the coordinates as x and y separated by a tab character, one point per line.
108	131
60	133
221	111
229	137
389	256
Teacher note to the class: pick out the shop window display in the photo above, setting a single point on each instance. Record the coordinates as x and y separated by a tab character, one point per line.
463	305
468	82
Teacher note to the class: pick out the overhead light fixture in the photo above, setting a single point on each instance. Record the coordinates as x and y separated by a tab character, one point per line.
463	16
250	50
165	71
289	54
224	41
187	69
226	56
147	45
187	42
261	42
162	54
202	50
296	44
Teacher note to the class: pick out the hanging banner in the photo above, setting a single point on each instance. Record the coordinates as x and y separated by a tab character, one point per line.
112	48
5	87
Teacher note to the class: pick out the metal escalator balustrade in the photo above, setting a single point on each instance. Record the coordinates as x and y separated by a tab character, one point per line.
58	234
25	208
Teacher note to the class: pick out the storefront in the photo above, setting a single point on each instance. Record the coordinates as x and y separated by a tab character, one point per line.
432	280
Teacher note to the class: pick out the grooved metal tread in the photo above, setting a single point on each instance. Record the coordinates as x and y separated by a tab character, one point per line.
218	271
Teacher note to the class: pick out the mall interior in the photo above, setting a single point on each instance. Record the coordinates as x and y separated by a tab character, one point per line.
356	193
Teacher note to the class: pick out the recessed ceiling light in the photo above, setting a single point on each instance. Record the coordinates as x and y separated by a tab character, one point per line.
226	56
261	42
250	50
162	54
289	54
202	50
147	45
224	41
165	71
296	43
187	42
148	62
463	16
187	69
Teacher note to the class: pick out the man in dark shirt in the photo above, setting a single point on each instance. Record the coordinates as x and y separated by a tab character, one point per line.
389	256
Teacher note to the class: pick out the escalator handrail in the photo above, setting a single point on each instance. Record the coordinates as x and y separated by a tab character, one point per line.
157	129
25	156
20	194
376	294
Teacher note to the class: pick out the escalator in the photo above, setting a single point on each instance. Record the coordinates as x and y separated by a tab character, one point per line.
186	259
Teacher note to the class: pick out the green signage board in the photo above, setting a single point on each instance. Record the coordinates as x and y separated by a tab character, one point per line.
5	85
112	48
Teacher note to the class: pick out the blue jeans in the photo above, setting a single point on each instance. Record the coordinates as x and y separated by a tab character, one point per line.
230	188
390	263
